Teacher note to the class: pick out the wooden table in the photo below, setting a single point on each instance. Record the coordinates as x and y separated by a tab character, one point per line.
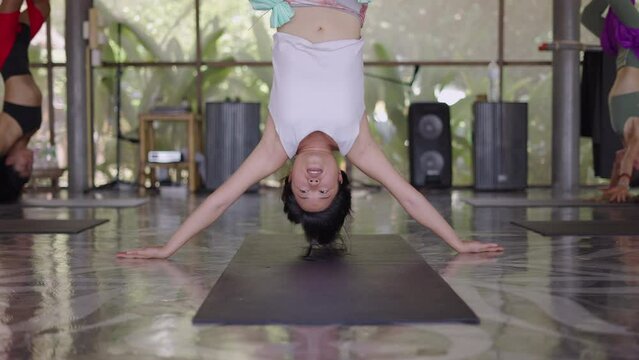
194	128
53	174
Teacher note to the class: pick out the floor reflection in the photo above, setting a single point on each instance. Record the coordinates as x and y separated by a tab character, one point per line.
68	297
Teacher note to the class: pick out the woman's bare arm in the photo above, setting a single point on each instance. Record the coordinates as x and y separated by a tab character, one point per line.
369	158
267	157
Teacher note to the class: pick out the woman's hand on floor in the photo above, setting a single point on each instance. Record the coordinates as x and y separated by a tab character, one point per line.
155	252
478	247
618	194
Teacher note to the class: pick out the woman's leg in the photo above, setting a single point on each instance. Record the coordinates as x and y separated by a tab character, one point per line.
10	132
8	6
36	14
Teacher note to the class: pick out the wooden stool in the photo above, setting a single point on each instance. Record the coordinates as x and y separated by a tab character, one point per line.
52	174
194	128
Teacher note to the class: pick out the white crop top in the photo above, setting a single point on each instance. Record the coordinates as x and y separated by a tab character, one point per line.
350	6
282	11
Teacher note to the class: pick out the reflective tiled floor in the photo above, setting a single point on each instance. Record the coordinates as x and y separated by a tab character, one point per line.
67	297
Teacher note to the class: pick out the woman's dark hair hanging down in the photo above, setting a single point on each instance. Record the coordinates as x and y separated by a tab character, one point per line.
324	226
11	183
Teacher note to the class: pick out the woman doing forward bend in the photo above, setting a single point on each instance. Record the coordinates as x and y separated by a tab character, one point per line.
316	108
619	34
22	110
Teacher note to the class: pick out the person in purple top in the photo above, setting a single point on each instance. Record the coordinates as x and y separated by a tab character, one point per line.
619	34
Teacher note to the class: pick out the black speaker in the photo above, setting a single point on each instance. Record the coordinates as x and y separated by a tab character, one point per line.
429	142
500	146
232	132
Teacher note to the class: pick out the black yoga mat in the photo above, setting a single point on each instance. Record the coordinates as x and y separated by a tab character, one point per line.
85	203
382	280
32	226
522	202
582	228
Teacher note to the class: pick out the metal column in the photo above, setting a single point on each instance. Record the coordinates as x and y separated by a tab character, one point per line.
77	12
565	130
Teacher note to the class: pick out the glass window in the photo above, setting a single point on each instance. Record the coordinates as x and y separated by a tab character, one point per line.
142	89
527	24
427	32
533	85
60	113
151	31
56	18
389	95
231	30
430	30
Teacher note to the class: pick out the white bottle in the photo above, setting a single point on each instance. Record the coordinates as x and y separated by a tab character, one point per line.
493	78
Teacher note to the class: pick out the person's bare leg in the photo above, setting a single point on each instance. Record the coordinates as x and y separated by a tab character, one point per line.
8	6
42	5
10	132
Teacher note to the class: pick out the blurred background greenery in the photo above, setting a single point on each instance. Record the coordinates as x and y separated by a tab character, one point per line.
450	32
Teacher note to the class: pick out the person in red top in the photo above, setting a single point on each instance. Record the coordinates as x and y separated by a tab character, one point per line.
22	110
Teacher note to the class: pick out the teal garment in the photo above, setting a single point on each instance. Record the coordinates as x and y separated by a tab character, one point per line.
622	108
281	11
